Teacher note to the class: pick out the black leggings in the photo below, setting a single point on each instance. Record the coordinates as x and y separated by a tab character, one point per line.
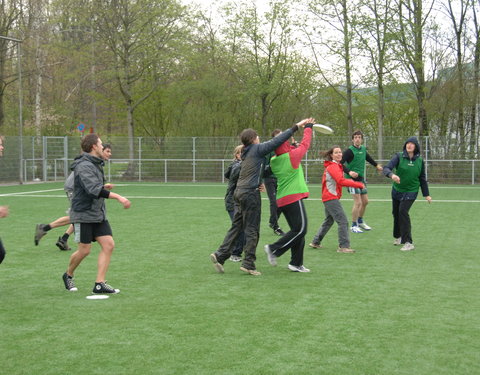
401	220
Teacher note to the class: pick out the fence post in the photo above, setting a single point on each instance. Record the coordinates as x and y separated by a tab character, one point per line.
166	178
139	159
473	172
65	157
306	167
223	171
194	159
44	161
426	157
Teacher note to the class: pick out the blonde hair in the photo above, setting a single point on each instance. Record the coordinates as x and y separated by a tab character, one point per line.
237	150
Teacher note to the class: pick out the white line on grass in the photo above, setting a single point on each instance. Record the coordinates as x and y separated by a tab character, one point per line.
26	193
222	198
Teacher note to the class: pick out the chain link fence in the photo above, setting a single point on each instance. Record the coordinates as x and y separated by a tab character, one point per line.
202	159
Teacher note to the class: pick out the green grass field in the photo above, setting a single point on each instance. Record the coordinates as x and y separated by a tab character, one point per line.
379	311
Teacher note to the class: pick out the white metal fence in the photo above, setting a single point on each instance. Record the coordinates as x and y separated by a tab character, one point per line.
197	159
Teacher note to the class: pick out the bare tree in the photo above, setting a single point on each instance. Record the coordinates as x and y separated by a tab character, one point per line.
10	12
458	25
411	22
137	34
375	38
267	41
337	15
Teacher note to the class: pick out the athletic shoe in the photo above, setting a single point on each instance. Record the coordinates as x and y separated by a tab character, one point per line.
315	245
407	246
397	241
250	272
272	259
345	250
364	226
69	284
39	233
235	258
218	266
301	268
62	245
356	229
278	232
104	288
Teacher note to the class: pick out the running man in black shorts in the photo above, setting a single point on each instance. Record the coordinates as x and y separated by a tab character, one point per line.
88	213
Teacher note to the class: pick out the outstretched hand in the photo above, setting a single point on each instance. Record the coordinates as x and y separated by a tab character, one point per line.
306	121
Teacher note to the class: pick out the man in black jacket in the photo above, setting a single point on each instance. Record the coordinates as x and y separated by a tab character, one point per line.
247	199
88	213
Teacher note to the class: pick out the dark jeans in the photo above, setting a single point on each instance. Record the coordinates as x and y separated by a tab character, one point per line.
2	252
275	211
294	239
402	226
237	251
248	207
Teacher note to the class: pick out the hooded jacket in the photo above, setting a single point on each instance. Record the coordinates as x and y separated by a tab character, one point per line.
232	173
87	205
253	160
408	178
333	180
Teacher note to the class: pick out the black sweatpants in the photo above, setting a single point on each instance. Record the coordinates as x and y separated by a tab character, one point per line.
294	239
2	252
248	207
402	226
271	187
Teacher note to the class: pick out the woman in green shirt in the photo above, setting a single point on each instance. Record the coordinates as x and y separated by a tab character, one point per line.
407	170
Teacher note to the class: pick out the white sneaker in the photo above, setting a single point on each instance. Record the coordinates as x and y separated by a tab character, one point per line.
218	266
364	226
397	241
407	246
272	259
301	268
356	229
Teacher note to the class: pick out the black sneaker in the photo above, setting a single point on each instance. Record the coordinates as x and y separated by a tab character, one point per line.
104	288
278	232
69	284
62	245
39	233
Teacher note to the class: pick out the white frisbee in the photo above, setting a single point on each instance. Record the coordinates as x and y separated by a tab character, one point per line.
97	296
324	129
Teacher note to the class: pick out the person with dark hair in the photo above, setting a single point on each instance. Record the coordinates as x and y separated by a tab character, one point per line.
42	229
232	173
292	190
333	181
353	161
407	170
270	182
247	199
88	213
3	210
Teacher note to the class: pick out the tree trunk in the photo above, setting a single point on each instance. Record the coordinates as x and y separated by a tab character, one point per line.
380	114
38	86
348	73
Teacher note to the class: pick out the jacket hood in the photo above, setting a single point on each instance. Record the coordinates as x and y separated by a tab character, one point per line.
83	157
283	148
326	163
414	140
